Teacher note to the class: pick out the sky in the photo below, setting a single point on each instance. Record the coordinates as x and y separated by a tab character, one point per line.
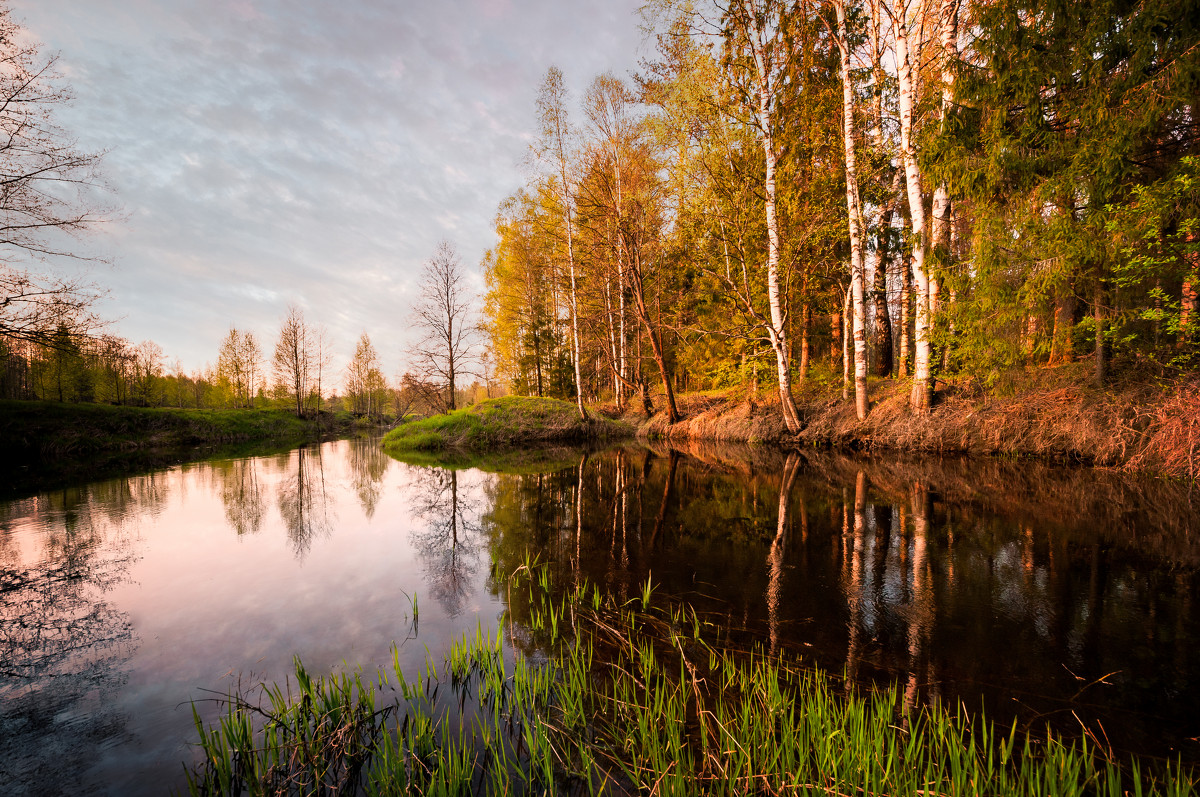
268	152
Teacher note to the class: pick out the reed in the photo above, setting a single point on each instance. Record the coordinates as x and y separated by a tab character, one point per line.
624	698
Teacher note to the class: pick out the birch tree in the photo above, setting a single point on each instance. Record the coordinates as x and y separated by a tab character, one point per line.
854	215
627	190
904	14
756	24
557	136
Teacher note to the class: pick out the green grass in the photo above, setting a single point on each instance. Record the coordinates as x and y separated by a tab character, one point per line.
627	698
44	430
502	422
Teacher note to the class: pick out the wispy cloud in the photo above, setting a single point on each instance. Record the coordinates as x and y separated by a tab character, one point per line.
268	151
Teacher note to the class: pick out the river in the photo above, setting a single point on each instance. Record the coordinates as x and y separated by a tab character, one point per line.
1038	594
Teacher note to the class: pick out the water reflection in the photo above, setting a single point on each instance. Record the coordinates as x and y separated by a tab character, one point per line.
243	494
1041	593
64	649
304	499
368	464
448	544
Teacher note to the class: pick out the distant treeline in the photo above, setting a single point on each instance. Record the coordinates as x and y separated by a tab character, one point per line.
107	369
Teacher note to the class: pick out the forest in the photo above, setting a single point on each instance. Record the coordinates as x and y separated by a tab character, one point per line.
826	194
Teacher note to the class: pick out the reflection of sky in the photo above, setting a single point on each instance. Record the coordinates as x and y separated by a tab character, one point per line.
268	151
208	605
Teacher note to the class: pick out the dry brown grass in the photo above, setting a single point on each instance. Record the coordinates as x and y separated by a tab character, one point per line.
1047	413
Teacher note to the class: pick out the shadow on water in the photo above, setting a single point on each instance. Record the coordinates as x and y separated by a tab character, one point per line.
18	480
1045	594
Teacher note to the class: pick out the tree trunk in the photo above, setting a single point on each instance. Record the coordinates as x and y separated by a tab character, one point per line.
805	335
846	369
574	311
537	359
884	353
643	313
835	337
922	392
777	328
905	319
1187	296
1029	334
1064	319
1098	318
942	207
618	387
854	213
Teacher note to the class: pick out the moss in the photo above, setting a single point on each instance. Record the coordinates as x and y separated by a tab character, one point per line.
503	422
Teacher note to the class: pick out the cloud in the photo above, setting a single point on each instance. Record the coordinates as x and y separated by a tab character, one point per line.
269	151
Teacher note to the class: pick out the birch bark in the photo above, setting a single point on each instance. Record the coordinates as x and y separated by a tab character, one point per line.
922	390
854	212
777	329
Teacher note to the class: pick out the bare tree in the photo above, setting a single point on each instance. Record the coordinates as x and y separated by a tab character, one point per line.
445	314
322	357
48	192
295	353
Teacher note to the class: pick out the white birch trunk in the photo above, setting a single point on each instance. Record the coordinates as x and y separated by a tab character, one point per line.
846	333
922	383
777	329
948	34
854	213
940	225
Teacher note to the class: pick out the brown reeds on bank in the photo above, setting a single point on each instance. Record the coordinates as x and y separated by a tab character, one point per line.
1052	414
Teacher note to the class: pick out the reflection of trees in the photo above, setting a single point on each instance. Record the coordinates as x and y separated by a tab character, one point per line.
778	546
63	649
368	464
304	502
448	546
957	580
243	494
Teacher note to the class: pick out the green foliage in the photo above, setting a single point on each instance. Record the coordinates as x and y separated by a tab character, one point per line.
501	422
1070	152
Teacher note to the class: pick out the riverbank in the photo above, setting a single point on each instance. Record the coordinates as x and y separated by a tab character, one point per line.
1051	414
39	430
504	422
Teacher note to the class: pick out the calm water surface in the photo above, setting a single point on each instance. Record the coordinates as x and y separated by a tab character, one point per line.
1038	593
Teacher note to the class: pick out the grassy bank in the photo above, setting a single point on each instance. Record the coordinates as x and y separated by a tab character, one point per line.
1051	413
503	422
625	698
40	430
